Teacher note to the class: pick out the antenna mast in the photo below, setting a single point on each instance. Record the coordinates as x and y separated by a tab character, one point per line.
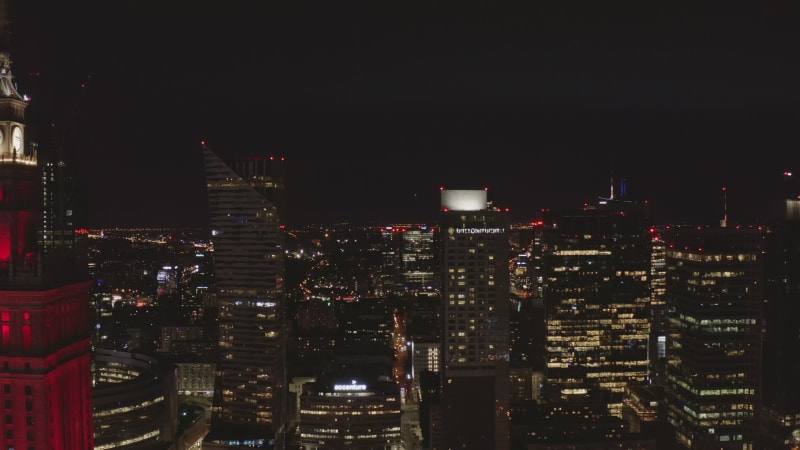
724	222
611	196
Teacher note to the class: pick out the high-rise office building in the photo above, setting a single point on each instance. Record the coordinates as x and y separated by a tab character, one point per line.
135	401
475	303
781	369
45	325
594	268
715	292
350	412
410	260
249	405
659	317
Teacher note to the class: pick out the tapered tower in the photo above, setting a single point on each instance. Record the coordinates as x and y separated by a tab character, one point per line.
250	393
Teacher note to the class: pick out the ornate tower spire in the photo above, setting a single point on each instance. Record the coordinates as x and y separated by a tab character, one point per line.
12	104
5	29
7	88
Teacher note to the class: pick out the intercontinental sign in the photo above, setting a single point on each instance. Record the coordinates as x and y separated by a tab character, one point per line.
477	230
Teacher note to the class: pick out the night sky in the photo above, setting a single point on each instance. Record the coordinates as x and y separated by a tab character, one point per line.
375	105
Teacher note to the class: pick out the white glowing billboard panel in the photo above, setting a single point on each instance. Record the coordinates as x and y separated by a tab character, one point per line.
464	200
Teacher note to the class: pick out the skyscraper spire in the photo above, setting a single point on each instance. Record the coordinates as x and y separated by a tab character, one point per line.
724	222
7	88
611	195
5	29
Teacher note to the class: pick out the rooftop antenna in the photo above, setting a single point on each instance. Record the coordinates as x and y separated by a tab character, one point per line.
611	197
787	175
724	222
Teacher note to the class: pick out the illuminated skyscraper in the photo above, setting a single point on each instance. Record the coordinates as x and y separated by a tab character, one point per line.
45	346
249	405
409	259
475	299
350	413
659	319
595	270
715	287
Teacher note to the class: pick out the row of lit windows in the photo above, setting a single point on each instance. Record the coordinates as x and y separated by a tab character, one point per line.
714	392
724	423
735	414
593	324
128	441
128	408
112	373
359	394
555	345
621	349
724	321
710	257
581	253
350	436
318	412
328	431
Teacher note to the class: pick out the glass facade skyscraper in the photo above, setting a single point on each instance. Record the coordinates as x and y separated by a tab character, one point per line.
249	404
715	291
781	399
594	271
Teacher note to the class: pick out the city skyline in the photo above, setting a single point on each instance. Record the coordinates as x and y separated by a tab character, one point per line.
375	107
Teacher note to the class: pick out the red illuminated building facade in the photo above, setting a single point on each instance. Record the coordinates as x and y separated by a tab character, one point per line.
45	347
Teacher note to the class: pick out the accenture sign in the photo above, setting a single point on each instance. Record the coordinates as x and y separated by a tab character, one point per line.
354	387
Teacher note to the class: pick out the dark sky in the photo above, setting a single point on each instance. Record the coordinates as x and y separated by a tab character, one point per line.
375	105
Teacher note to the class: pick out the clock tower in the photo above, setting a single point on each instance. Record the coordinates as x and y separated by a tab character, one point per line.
20	181
45	321
12	116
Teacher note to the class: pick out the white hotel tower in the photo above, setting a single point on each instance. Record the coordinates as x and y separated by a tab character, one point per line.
475	299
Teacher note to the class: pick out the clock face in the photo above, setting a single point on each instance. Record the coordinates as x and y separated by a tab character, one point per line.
16	139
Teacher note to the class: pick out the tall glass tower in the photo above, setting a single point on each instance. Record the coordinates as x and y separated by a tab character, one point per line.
475	284
715	292
249	405
595	275
781	399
